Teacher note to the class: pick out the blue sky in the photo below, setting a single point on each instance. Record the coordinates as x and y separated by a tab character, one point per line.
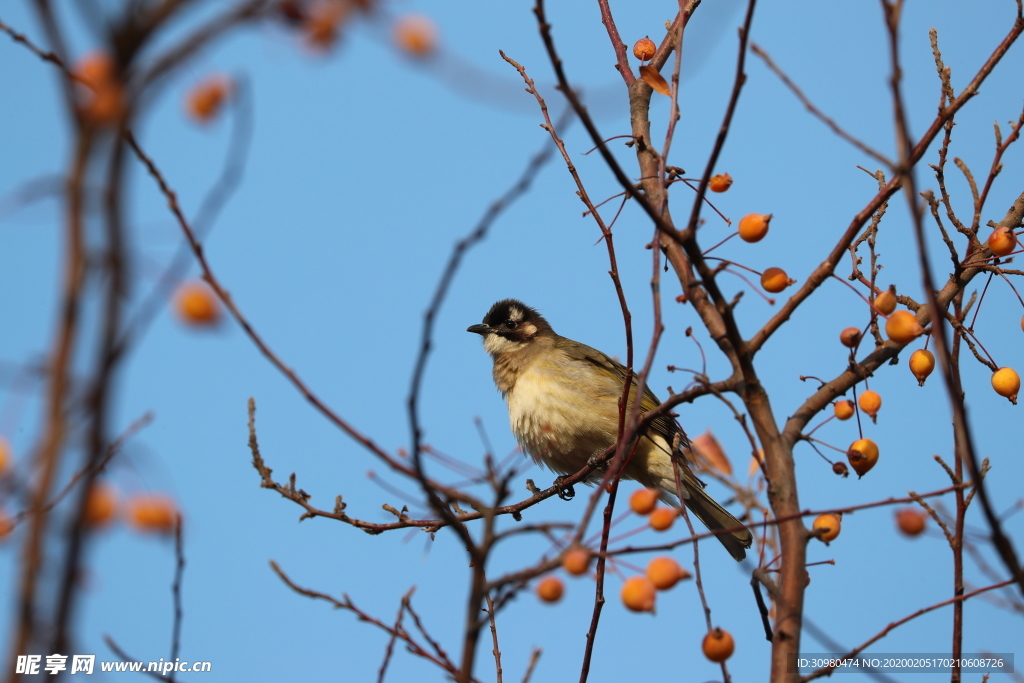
364	169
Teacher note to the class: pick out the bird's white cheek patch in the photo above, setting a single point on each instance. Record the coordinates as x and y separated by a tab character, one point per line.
496	345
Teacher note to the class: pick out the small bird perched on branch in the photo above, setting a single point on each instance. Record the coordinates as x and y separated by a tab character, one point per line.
563	402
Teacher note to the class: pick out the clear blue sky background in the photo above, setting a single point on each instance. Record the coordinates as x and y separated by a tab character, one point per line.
364	169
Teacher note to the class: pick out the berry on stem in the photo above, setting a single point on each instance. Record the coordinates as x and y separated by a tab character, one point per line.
643	501
827	527
638	594
664	572
416	35
100	505
576	561
775	280
152	512
922	362
205	99
902	327
885	302
843	409
870	402
644	49
862	454
550	589
197	305
754	226
850	337
662	518
911	521
720	182
1006	382
718	645
1002	241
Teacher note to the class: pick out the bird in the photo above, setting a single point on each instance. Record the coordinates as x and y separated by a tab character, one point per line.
563	405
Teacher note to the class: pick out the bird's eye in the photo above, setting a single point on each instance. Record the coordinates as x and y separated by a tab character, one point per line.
510	324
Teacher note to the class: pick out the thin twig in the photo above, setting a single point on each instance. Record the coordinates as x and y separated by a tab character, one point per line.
804	100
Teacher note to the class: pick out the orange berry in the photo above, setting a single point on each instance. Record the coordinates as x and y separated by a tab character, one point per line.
576	561
754	226
6	525
775	280
102	101
1002	241
643	501
662	518
638	594
922	362
664	572
718	645
100	506
885	302
416	35
843	409
862	454
870	402
152	512
911	521
322	23
850	337
197	305
104	106
204	100
827	526
550	589
720	182
902	327
1006	382
644	49
96	70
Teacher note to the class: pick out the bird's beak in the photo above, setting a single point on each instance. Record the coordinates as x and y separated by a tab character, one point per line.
479	328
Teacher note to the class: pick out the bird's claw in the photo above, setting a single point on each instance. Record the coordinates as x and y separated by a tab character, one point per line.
565	491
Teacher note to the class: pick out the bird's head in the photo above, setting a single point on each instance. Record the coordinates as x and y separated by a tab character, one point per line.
509	326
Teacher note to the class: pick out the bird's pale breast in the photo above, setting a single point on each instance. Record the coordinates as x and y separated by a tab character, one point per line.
561	417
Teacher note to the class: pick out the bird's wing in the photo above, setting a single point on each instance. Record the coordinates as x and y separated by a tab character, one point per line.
665	426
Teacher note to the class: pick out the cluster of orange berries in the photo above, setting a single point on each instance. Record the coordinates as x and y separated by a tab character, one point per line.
145	512
901	327
753	228
910	522
639	592
101	98
321	22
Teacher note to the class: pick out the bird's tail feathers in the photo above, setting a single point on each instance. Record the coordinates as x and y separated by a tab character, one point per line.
729	530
